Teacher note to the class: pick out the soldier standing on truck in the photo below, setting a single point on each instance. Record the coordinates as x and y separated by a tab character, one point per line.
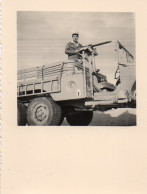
73	50
72	47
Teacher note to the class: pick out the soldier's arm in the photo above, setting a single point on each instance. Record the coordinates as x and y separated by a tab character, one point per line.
68	50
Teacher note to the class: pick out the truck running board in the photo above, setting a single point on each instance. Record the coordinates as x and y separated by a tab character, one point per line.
105	102
95	103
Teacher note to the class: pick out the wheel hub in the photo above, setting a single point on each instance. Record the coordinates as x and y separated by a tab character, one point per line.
41	113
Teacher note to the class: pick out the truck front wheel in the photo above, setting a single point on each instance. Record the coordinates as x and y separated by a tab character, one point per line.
43	111
79	118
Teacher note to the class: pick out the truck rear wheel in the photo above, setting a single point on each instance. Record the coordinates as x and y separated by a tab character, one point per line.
21	114
80	118
43	111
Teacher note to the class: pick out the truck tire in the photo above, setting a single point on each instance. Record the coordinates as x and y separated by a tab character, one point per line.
21	114
80	118
61	120
58	112
43	111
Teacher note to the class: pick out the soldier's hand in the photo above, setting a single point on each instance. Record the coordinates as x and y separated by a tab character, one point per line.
78	50
74	52
81	49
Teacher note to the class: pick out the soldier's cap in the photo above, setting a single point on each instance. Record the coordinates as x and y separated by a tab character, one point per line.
75	33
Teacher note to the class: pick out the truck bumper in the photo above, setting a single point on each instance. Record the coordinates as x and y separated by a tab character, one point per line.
108	98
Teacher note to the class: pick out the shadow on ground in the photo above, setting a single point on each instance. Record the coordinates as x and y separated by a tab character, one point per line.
123	117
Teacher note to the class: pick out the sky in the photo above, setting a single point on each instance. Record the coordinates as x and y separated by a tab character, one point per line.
42	36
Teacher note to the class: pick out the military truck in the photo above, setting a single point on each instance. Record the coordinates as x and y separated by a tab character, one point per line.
74	89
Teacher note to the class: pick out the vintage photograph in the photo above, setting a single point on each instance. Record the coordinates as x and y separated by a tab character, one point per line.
76	68
72	119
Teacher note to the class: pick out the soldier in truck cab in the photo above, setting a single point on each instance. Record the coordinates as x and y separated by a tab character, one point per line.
72	47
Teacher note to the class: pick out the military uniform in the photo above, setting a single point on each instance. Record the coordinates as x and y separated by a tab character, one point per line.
71	49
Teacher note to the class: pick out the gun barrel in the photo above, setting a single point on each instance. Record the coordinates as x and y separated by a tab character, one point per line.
99	44
93	45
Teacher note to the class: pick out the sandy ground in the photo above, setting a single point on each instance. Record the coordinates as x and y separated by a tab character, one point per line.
114	117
